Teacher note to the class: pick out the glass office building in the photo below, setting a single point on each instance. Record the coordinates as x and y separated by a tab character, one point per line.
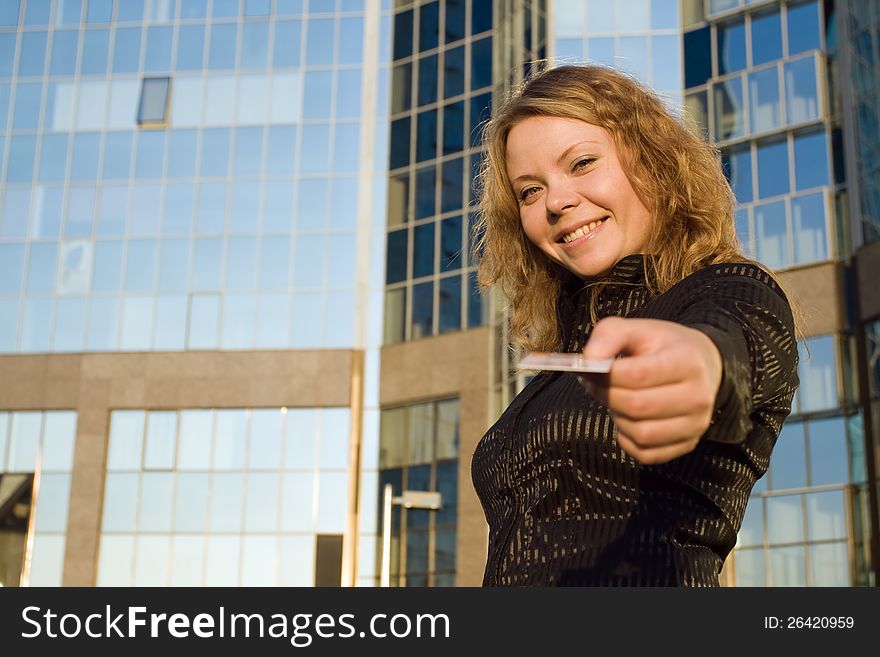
237	281
188	194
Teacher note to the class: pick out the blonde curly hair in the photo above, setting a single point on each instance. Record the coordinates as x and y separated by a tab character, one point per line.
674	171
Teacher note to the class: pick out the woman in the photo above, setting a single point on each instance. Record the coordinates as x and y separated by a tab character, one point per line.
608	225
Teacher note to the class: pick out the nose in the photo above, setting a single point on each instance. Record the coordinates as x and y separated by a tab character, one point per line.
561	196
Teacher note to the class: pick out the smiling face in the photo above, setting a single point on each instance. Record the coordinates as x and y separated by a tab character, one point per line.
576	203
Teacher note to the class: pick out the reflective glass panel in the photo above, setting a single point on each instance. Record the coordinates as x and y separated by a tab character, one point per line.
771	240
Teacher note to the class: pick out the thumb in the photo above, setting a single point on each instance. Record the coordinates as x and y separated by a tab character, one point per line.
611	337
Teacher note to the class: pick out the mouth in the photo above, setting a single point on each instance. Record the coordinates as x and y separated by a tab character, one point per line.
581	231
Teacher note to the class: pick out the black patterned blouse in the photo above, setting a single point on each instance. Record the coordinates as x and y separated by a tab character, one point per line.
566	506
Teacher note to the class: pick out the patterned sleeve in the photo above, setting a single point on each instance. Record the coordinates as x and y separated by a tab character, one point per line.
745	313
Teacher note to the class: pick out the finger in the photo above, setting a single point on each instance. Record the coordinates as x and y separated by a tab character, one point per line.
668	401
648	434
616	335
655	455
659	368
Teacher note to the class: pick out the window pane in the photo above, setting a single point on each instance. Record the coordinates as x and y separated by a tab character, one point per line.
739	172
789	460
24	440
319	42
785	519
265	445
231	440
752	530
261	512
281	153
156	502
64	46
766	38
126	440
191	500
255	45
120	502
47	560
258	560
170	323
204	314
221	54
158	57
830	565
817	373
788	566
749	567
190	47
450	304
697	57
222	551
182	154
771	241
96	45
803	27
772	169
227	501
764	100
116	560
801	92
731	47
334	441
453	70
828	452
827	515
810	160
59	437
481	63
729	109
32	54
154	101
332	497
161	440
287	43
810	234
53	502
127	50
300	441
70	317
187	557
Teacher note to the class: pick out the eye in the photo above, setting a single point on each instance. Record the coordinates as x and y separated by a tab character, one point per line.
526	192
583	162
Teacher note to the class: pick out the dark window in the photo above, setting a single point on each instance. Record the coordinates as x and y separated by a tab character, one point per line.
450	304
403	34
697	57
803	27
398	199
766	38
401	88
428	80
451	191
481	63
453	69
328	560
731	47
425	181
454	20
429	26
450	244
154	101
400	142
481	16
837	150
475	303
447	484
426	136
481	111
423	250
423	310
396	258
453	128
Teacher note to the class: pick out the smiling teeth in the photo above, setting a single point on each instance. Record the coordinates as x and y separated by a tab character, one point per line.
583	230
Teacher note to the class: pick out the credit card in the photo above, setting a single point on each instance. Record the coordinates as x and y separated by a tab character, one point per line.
542	360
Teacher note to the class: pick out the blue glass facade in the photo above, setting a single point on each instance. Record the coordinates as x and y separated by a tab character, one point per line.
181	175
